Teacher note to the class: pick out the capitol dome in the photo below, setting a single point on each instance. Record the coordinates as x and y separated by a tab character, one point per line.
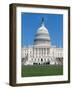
42	36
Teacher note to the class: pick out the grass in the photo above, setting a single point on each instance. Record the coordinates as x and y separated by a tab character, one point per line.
41	70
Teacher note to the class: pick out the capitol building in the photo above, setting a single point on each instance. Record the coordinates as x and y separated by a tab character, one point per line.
42	51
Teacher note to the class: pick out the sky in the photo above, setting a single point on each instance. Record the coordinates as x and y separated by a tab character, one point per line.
30	22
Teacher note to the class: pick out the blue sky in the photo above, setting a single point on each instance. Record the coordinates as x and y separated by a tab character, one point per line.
30	22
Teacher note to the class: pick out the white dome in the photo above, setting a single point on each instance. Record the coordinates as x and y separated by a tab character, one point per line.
42	36
42	33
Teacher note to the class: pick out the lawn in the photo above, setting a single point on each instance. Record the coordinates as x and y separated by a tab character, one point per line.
41	70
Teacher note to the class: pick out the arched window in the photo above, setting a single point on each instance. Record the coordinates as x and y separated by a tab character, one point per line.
41	60
38	59
35	59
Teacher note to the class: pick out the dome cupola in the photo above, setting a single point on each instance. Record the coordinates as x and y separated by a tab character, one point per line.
42	36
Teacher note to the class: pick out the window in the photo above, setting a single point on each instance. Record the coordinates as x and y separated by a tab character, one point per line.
41	60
